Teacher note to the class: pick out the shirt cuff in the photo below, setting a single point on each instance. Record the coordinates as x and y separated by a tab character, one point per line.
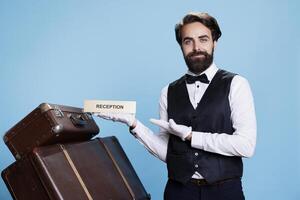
197	140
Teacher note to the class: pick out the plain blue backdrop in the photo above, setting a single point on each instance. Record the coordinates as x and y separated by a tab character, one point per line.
67	51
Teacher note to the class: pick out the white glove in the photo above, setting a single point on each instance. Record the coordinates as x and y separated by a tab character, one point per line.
173	128
128	119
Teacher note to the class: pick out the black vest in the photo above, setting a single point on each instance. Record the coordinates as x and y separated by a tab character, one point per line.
211	115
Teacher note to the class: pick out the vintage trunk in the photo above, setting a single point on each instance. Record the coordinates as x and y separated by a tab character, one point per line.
118	155
23	182
96	169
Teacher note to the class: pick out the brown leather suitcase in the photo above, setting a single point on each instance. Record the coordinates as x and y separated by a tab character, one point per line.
50	124
96	169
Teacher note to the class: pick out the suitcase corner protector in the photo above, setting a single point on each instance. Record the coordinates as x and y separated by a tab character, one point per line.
5	138
45	107
18	156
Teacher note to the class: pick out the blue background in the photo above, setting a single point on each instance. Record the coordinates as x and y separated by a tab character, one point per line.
67	51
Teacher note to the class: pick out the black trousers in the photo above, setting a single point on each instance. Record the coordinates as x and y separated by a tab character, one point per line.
227	190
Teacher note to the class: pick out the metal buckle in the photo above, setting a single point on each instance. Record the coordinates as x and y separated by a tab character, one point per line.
58	112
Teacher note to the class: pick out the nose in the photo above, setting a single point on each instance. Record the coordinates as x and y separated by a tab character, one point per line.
196	46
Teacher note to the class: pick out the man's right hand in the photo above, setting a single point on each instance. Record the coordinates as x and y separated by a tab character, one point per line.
127	119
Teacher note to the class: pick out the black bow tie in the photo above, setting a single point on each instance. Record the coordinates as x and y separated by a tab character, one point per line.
192	79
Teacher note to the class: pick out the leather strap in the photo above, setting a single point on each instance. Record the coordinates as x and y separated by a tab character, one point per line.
119	170
76	172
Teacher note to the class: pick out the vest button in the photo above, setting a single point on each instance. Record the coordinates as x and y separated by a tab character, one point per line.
196	166
196	154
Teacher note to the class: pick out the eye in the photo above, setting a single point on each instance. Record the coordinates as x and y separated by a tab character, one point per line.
203	40
187	42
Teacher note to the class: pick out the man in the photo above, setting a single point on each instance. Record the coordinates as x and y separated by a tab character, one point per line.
207	120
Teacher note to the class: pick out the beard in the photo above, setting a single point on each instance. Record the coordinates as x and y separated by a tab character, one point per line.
199	64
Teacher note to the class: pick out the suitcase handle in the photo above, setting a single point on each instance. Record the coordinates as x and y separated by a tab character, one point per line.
77	120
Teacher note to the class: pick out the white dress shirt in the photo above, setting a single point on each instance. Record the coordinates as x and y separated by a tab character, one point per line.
241	143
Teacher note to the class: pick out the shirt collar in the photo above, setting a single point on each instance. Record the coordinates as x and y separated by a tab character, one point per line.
210	71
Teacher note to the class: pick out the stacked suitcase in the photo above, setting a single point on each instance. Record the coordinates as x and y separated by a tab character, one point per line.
57	159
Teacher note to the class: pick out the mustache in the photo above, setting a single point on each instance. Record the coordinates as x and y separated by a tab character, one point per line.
196	53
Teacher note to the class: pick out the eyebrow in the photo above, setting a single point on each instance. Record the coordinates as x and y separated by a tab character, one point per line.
190	38
187	38
203	36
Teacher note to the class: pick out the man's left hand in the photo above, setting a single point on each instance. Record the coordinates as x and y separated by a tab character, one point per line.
128	119
184	132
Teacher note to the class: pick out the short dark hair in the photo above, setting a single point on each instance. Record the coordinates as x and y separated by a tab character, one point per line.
205	19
